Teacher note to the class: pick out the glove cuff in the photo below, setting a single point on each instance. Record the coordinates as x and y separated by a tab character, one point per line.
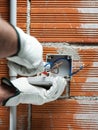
18	41
10	85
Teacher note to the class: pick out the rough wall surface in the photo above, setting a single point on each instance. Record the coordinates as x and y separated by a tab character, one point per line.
69	114
74	21
61	20
54	23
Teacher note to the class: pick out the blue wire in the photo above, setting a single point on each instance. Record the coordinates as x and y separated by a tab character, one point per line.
48	63
52	63
81	67
70	74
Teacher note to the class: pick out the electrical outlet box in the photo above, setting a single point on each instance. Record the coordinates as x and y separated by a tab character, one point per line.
61	64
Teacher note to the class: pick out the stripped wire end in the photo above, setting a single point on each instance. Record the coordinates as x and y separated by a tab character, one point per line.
81	67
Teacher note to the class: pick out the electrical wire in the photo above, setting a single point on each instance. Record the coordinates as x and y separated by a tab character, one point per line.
54	66
81	67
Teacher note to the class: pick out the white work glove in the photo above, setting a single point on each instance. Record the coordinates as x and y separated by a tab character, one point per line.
30	94
28	61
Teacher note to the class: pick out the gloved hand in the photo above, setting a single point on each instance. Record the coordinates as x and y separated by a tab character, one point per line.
28	61
30	94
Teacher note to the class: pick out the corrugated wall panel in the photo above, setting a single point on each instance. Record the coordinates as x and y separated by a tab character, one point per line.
4	9
85	83
22	14
22	117
66	115
4	118
65	21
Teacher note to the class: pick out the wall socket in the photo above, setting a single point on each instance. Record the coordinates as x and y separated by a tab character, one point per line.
64	63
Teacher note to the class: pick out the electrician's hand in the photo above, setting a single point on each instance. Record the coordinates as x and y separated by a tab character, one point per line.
28	61
30	94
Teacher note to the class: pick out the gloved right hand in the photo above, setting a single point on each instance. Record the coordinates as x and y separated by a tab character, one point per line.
29	59
30	94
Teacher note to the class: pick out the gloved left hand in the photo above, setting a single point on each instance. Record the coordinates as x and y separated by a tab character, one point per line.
29	59
30	94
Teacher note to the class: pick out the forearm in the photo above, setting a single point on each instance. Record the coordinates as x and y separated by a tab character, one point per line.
8	40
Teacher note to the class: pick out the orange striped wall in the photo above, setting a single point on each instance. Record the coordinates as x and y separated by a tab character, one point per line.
4	9
65	21
85	83
66	114
22	14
